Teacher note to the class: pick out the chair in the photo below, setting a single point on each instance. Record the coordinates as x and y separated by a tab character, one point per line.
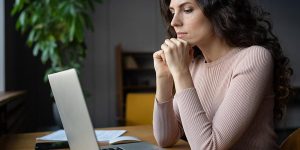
139	108
292	142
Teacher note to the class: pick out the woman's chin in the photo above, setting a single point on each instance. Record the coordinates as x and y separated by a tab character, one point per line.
191	43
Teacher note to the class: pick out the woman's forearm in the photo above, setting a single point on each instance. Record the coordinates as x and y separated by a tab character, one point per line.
164	89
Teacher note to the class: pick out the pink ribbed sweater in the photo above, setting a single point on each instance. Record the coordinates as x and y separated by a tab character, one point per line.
230	106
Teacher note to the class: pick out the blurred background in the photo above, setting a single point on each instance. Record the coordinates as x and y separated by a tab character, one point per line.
117	66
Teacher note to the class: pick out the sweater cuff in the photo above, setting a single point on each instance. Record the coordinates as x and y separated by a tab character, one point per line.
163	106
167	101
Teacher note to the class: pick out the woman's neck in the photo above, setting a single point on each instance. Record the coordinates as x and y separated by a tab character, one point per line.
214	49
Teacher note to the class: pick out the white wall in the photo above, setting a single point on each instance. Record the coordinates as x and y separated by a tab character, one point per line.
2	46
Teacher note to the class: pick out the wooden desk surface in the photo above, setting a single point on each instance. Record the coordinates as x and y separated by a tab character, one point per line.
26	141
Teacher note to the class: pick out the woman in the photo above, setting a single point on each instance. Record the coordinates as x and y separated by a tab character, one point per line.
231	79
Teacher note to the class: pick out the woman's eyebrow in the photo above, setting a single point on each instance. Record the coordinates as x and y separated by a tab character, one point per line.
180	5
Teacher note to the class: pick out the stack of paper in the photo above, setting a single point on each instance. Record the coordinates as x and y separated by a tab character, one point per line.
111	136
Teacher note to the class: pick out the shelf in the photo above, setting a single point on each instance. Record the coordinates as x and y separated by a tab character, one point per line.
140	87
140	70
135	73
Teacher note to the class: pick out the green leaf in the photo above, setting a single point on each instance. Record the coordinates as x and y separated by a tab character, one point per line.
51	39
45	55
79	5
36	49
62	5
18	5
37	35
18	25
22	18
39	26
47	2
18	2
72	31
72	10
31	36
79	30
14	11
63	38
34	18
54	59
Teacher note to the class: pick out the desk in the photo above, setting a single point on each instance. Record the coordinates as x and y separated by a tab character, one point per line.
27	141
12	111
6	97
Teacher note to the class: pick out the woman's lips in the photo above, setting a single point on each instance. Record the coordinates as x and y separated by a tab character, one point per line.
181	34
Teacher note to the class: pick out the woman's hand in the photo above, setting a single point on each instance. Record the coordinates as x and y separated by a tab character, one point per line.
178	55
164	79
161	68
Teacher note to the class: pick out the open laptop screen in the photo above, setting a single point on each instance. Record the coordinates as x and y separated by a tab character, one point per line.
73	111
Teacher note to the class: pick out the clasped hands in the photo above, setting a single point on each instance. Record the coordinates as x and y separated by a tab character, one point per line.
171	63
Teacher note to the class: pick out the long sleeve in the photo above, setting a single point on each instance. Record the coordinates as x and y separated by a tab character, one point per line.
245	92
167	128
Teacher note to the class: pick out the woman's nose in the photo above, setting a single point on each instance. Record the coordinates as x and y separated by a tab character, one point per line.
176	21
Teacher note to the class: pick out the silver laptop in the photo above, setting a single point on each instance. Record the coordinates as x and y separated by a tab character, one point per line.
75	116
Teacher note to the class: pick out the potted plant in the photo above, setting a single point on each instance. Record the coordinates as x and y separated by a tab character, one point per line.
55	31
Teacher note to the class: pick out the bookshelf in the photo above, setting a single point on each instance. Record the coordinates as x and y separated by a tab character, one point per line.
134	74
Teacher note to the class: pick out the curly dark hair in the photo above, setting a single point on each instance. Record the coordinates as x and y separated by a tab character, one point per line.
243	24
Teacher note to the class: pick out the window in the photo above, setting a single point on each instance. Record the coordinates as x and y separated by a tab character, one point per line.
2	46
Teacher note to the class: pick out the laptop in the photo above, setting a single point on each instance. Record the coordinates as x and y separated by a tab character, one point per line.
75	116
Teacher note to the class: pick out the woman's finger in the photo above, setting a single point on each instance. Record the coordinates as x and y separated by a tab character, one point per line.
164	46
177	42
183	41
170	44
160	55
163	57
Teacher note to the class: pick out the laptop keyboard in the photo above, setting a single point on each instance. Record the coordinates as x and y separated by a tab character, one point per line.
115	148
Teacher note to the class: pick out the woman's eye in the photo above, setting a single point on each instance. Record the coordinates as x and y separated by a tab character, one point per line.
188	10
172	13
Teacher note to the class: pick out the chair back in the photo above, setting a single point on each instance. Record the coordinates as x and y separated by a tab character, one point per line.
292	141
139	108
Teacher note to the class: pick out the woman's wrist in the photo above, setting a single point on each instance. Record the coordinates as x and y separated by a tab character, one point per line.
163	96
164	89
183	80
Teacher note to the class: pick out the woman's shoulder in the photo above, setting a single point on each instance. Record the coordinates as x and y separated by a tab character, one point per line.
256	51
254	56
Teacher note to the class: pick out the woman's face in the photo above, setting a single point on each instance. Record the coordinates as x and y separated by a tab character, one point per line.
189	22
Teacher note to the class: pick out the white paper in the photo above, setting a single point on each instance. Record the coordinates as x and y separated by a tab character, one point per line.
124	139
102	135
